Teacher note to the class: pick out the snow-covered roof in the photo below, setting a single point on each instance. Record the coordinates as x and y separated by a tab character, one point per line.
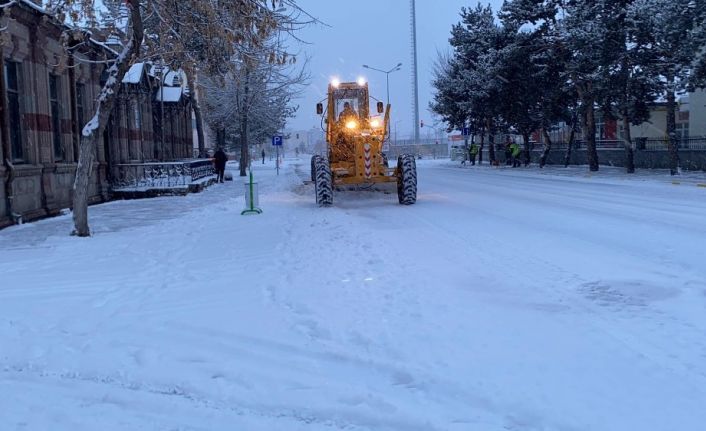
134	75
175	85
114	39
171	94
104	46
34	6
172	78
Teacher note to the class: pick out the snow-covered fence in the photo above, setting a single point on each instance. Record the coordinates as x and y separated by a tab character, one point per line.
160	175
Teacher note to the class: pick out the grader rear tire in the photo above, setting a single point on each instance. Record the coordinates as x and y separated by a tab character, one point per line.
323	182
406	179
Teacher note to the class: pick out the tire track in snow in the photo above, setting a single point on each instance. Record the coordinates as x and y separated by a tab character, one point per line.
20	373
328	232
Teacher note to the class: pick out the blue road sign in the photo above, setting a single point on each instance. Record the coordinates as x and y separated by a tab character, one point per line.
466	131
277	141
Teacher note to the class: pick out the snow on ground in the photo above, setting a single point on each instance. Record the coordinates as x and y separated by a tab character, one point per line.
504	300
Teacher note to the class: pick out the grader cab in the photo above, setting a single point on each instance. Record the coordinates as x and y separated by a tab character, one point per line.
355	140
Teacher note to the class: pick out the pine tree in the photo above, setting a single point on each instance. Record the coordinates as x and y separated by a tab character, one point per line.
468	83
675	35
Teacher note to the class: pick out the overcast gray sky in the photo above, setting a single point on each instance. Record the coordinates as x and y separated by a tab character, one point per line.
376	33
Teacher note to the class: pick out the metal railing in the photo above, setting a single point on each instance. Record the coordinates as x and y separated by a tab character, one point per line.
154	175
639	144
428	148
661	144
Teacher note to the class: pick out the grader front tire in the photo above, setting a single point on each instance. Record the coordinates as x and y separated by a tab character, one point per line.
313	166
323	182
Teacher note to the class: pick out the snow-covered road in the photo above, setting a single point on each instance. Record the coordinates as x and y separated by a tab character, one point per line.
504	300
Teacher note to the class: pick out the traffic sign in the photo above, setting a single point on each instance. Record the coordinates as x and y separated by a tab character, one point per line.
466	131
277	141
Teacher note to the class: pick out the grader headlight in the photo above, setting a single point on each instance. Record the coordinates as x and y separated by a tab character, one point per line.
375	123
351	125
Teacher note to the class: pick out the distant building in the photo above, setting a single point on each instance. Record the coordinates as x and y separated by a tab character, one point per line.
697	113
690	123
304	141
316	140
656	126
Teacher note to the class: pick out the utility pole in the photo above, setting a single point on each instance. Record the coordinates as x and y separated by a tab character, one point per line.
415	74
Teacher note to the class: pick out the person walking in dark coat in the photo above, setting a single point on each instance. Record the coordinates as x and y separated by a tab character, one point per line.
220	159
263	156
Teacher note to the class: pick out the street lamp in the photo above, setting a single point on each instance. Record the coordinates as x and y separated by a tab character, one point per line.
387	76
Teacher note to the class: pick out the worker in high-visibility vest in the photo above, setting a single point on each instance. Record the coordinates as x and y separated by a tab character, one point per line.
515	151
473	152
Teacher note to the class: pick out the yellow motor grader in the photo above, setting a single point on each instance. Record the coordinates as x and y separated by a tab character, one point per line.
354	140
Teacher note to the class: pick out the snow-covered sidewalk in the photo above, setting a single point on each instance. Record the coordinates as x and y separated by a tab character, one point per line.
503	300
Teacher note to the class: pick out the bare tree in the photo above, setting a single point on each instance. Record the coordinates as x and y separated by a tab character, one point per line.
95	127
253	100
187	34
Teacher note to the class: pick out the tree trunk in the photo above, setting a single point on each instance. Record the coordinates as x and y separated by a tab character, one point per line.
482	143
526	140
625	113
673	144
491	153
480	148
196	106
572	137
547	148
570	147
244	147
221	138
627	141
590	134
491	143
93	131
244	150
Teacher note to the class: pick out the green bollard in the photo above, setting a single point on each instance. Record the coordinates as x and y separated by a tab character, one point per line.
253	209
